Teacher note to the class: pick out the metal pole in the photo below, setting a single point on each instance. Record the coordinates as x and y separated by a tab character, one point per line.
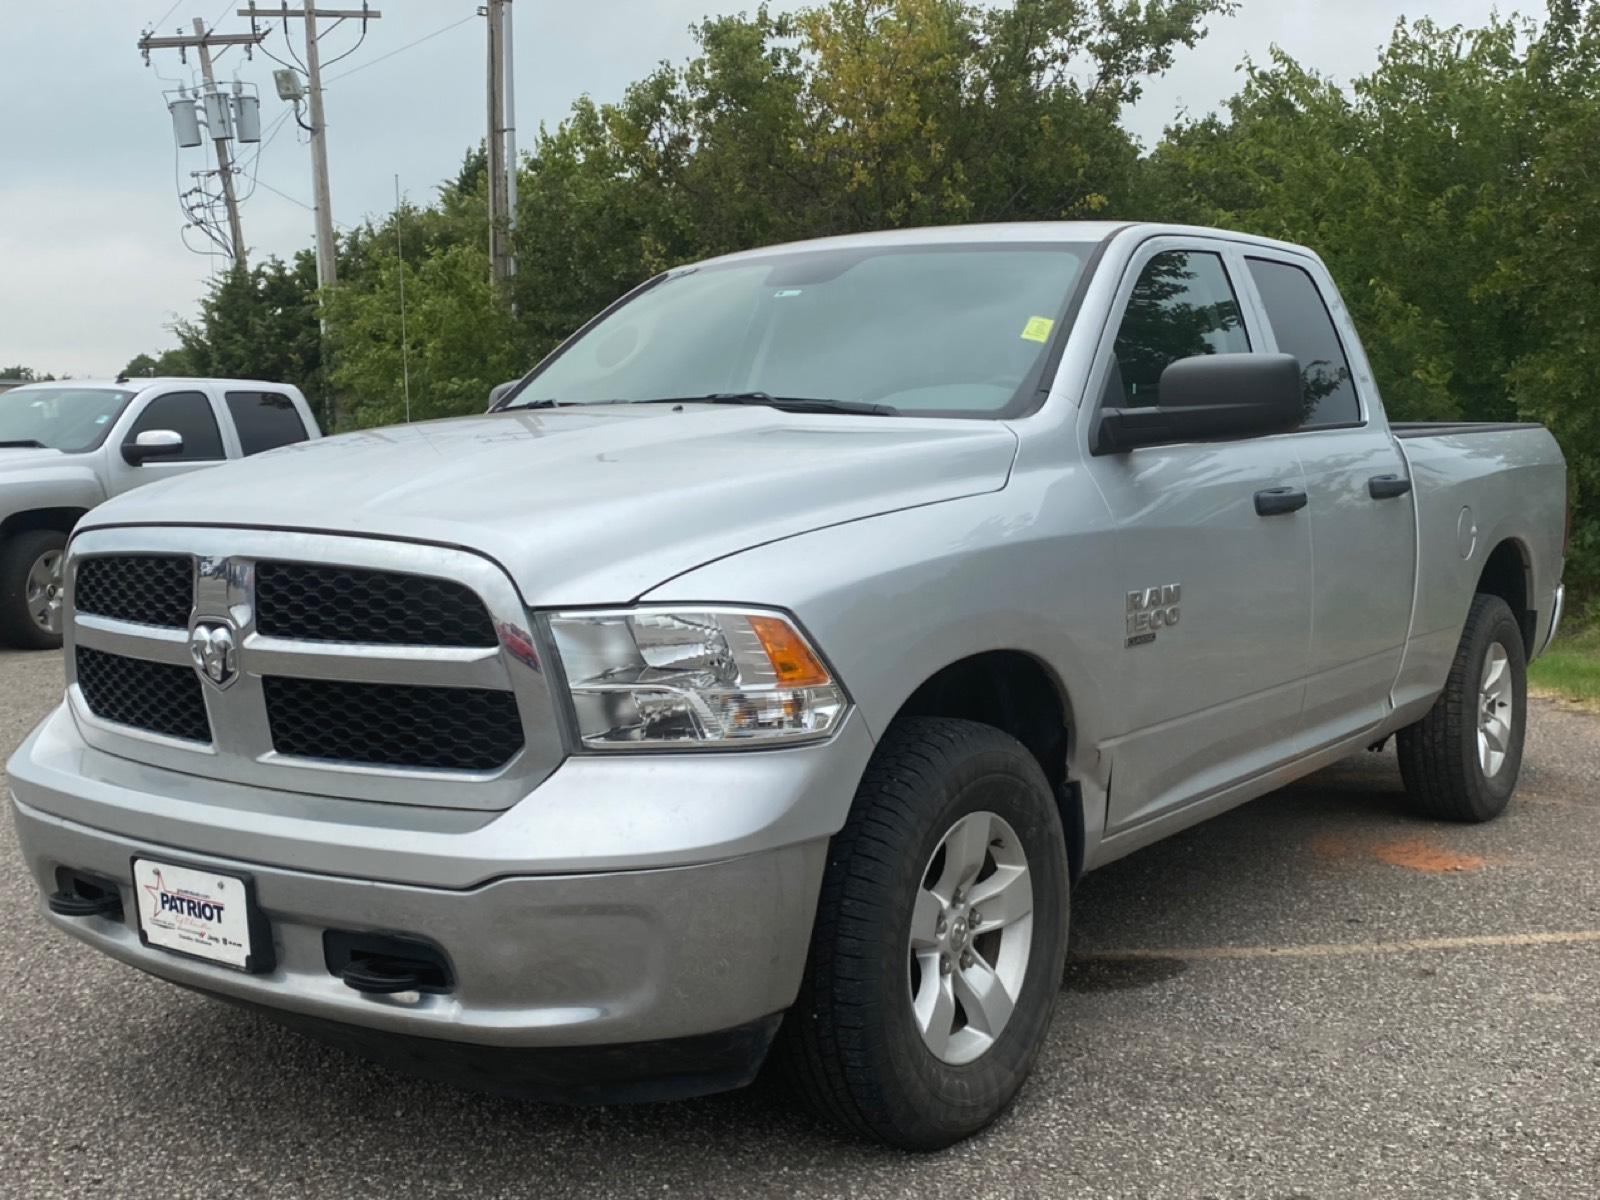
327	262
224	161
510	118
495	145
405	344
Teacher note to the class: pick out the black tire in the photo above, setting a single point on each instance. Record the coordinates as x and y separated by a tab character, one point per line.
850	1045
1439	755
17	556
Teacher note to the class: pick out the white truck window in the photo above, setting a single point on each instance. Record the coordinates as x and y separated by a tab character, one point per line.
190	415
265	421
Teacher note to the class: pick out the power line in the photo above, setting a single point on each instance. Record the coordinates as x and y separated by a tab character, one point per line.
425	38
359	41
157	22
254	165
310	208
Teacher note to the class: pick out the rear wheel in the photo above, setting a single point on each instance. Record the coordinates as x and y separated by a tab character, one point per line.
940	939
1461	761
31	591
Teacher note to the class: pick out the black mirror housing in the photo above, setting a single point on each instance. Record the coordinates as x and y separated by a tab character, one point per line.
1208	397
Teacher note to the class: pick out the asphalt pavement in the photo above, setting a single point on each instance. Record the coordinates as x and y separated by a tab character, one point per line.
1316	995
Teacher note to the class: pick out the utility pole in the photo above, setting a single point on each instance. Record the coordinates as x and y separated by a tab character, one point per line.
322	200
217	109
499	253
510	122
327	259
219	139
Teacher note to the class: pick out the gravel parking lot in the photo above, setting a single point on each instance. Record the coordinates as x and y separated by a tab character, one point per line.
1314	996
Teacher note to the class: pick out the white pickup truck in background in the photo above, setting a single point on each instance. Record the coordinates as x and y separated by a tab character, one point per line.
67	445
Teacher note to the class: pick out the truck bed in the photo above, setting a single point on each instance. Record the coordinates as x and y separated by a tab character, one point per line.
1475	494
1416	429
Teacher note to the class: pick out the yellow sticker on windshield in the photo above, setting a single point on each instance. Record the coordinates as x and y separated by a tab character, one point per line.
1038	329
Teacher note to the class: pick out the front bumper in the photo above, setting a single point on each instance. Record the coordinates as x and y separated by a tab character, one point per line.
563	960
668	925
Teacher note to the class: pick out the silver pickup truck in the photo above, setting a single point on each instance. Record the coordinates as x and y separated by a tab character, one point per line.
764	670
69	444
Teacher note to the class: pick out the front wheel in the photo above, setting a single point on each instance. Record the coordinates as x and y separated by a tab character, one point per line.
31	592
1461	761
940	938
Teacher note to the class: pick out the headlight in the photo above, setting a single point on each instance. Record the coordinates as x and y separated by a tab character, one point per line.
694	677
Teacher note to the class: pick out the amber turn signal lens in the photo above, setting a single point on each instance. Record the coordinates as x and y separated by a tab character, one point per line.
791	657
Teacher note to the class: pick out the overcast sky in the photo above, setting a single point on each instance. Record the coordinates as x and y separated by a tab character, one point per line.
92	268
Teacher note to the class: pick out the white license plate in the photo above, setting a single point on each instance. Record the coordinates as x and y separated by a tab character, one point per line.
199	913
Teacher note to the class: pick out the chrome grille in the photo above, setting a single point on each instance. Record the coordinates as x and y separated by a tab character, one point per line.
147	589
145	695
343	604
318	704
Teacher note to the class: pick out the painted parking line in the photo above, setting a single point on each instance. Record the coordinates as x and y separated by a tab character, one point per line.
1348	949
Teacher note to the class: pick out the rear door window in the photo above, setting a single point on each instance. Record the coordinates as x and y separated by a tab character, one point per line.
188	414
1182	306
1303	327
265	420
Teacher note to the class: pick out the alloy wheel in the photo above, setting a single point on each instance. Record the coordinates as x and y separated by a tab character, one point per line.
1496	710
44	591
971	936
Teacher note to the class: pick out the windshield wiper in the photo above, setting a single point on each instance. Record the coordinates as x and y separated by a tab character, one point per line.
22	444
805	404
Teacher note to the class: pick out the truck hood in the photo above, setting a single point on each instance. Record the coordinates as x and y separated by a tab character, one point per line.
31	478
594	505
15	459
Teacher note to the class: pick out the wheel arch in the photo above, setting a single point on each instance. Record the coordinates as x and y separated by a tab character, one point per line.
62	520
1508	574
1018	693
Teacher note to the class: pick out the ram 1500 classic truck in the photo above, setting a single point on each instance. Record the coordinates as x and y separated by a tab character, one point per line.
763	671
67	445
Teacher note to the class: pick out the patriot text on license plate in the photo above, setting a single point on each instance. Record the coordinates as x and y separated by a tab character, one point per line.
201	913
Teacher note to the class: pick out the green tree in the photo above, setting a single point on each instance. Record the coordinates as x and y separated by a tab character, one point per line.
458	342
168	362
854	115
1451	192
257	324
1550	277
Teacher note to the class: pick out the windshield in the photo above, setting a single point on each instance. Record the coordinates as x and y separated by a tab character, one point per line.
60	418
936	330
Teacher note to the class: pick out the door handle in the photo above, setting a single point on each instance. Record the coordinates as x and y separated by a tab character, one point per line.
1387	487
1273	501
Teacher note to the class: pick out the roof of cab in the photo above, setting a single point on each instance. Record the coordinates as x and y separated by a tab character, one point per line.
1080	232
141	382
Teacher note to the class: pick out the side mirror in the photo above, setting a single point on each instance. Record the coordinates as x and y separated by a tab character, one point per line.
1210	396
152	443
500	391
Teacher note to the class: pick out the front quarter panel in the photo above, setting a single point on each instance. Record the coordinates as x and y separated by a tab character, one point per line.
67	484
892	600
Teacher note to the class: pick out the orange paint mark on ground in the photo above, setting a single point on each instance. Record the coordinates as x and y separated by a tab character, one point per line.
1415	854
